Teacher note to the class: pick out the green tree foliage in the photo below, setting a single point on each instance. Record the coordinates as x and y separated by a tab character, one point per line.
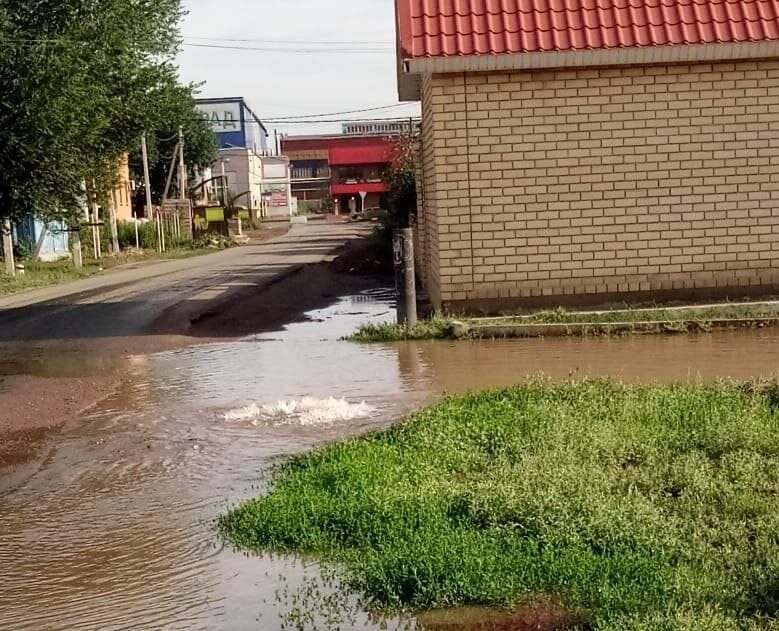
175	107
402	196
81	80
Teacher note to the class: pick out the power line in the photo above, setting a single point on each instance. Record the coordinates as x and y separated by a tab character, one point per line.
291	41
295	51
287	46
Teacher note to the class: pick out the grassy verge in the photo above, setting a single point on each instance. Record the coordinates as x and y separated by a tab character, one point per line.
37	275
617	321
698	314
641	508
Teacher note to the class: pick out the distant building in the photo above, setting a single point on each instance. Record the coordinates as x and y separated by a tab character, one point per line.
380	128
235	124
259	180
350	168
261	183
122	194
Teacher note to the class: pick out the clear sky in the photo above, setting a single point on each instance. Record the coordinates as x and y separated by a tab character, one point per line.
352	65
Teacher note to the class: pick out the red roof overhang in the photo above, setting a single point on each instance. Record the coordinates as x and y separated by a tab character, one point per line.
495	35
436	28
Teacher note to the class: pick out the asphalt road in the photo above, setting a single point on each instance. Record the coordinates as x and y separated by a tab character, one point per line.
127	301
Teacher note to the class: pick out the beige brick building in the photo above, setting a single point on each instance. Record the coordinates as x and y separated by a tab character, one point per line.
649	174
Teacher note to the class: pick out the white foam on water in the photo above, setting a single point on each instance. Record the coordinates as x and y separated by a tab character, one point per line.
306	411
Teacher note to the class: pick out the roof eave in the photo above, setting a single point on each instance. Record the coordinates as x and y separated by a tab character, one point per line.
648	55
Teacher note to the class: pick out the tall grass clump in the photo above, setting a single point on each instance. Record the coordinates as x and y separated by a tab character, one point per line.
648	508
437	327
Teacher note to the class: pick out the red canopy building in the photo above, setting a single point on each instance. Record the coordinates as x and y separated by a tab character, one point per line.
352	169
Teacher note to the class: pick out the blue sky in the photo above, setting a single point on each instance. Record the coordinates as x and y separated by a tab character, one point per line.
281	83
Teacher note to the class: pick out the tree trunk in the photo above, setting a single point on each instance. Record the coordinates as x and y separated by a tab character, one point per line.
8	248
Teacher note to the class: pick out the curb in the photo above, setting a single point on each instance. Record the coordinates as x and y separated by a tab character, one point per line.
463	330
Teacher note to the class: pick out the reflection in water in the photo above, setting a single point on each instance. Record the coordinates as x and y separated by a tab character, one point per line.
114	528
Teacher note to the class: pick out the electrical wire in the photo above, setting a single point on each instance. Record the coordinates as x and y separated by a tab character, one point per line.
282	46
289	41
295	51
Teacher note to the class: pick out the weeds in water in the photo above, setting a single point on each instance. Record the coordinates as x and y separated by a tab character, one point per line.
651	508
435	328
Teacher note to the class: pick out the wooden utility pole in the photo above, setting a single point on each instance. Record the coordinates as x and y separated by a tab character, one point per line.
8	248
147	184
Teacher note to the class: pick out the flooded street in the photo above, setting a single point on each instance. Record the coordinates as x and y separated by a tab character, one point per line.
113	527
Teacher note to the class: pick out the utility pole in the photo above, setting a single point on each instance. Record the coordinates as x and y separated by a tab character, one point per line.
96	240
8	248
182	166
147	184
112	224
276	142
405	276
224	186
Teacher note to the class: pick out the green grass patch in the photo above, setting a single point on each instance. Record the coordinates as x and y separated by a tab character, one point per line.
441	327
436	328
643	508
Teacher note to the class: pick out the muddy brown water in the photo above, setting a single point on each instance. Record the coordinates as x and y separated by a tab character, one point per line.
113	526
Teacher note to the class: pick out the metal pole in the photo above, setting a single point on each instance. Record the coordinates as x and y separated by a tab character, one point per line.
8	248
98	250
137	236
410	277
400	276
224	187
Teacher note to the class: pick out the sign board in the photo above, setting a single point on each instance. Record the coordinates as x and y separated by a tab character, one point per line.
278	195
215	214
225	118
274	170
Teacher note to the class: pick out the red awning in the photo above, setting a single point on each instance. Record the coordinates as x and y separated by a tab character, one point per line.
352	156
356	189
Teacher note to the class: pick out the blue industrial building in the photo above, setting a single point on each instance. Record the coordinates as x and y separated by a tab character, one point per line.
235	124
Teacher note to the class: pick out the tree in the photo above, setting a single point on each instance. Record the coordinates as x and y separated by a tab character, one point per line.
176	107
81	80
402	176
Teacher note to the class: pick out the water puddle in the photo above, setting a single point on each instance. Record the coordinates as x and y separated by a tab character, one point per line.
113	528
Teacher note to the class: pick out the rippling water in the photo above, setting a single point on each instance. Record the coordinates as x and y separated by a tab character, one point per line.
114	527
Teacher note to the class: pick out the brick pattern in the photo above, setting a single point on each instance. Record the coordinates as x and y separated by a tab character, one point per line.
598	181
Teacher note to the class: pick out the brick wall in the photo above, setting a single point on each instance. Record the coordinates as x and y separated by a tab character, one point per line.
574	185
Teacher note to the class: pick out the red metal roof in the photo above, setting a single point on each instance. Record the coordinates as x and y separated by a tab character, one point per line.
378	153
449	28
